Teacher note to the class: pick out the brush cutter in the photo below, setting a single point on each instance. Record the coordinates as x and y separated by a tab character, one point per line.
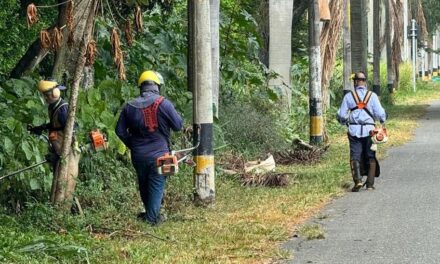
97	142
168	164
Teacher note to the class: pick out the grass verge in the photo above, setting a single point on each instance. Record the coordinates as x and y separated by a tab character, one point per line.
245	225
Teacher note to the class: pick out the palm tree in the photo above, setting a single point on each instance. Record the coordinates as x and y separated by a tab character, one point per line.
359	35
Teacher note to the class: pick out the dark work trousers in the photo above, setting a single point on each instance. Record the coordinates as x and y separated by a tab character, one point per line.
151	187
360	148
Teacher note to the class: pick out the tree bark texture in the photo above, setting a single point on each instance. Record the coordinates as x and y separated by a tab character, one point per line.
65	180
397	12
376	48
348	84
280	47
389	37
66	57
359	35
329	40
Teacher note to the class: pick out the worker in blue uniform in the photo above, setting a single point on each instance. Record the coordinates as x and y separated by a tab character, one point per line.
359	111
145	125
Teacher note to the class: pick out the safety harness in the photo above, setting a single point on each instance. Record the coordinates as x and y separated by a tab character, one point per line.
150	115
362	105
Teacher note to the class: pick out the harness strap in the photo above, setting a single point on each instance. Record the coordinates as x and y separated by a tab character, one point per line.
362	104
54	122
150	115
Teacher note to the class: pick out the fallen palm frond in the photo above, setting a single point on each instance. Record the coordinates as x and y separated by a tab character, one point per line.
300	153
236	165
45	40
270	179
31	15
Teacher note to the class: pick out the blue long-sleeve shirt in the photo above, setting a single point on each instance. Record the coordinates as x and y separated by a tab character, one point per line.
360	122
131	129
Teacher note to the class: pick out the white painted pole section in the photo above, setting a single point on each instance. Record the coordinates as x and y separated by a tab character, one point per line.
434	55
414	52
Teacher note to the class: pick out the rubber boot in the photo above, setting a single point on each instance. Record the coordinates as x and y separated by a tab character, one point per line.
356	173
371	174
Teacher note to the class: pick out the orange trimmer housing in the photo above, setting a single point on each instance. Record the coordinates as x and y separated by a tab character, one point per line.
167	164
98	140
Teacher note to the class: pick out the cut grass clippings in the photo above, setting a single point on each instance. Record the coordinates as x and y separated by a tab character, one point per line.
245	225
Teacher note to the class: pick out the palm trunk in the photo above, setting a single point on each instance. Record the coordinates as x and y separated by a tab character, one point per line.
359	35
376	50
347	48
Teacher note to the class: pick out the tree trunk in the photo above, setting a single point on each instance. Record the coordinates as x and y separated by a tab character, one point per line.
33	56
359	35
388	37
376	49
280	30
315	100
65	179
397	11
329	41
348	84
66	57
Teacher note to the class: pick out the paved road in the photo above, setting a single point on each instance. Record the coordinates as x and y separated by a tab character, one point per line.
398	223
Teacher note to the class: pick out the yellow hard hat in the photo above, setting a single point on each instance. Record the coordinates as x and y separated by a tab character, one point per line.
150	76
45	86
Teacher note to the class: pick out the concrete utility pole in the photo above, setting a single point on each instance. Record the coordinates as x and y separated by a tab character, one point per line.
425	61
215	39
376	49
201	85
280	46
413	36
315	98
434	55
348	83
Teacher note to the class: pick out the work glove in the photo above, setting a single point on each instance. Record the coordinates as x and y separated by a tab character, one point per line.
37	130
